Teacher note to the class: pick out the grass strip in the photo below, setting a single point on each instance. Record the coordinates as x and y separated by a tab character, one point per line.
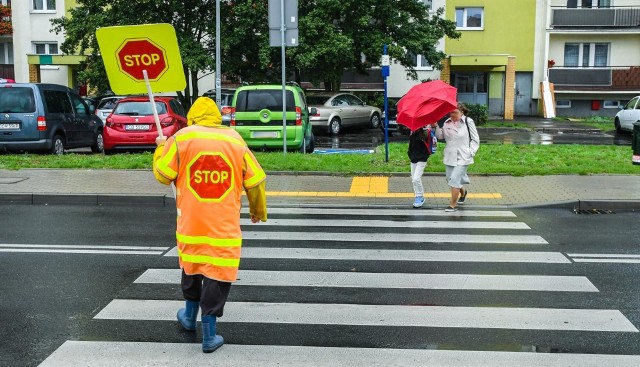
516	160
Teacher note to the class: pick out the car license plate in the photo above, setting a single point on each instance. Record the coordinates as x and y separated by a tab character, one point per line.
392	121
138	127
9	126
264	134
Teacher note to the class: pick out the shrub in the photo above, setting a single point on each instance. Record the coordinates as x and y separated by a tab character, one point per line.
479	113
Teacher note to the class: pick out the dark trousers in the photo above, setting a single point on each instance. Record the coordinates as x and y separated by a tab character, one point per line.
211	294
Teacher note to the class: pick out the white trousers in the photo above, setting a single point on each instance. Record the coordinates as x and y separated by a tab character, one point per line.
417	169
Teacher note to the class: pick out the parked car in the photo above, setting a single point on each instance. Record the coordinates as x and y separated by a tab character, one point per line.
105	106
226	98
333	113
132	125
46	117
256	114
393	113
628	115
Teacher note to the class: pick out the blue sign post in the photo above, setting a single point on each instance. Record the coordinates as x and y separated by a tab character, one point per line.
385	74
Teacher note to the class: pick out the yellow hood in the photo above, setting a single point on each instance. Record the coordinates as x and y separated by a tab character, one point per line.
204	112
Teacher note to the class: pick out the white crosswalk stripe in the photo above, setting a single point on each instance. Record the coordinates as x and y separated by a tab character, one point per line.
390	280
109	354
385	315
273	268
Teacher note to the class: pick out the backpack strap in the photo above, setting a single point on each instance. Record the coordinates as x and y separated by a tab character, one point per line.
468	130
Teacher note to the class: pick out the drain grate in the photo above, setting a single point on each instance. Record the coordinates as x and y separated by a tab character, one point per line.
593	211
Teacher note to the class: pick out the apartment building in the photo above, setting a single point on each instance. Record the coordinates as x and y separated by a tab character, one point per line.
6	41
591	55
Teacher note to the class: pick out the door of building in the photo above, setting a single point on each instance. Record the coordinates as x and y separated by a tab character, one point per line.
472	87
524	105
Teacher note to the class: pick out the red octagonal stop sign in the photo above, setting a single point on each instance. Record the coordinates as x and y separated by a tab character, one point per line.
210	176
136	55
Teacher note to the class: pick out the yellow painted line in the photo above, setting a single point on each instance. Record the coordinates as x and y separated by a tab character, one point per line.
375	187
445	195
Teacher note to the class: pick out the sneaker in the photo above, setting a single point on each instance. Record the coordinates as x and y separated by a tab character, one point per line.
451	209
463	197
418	202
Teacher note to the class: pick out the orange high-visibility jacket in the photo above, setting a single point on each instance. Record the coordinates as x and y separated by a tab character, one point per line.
209	165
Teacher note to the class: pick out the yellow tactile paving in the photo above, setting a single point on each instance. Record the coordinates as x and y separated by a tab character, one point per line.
375	187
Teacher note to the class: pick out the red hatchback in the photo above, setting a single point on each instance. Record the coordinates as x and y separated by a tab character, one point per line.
131	123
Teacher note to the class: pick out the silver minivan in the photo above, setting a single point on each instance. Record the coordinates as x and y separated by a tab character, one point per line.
46	118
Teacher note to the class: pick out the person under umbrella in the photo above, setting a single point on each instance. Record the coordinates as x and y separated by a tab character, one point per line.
462	143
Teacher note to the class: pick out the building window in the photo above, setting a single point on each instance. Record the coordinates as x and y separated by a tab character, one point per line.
49	5
563	103
586	55
611	104
587	4
45	48
469	18
6	2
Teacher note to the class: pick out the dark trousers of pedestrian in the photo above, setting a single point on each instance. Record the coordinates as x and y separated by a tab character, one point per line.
211	294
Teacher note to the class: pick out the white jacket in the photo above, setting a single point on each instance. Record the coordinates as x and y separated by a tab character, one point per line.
460	148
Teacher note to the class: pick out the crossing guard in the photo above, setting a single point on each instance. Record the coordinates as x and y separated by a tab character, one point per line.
210	164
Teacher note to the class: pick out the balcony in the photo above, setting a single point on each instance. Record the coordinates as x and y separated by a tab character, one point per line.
614	17
6	26
597	79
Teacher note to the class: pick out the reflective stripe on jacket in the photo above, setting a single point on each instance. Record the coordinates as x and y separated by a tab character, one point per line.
209	165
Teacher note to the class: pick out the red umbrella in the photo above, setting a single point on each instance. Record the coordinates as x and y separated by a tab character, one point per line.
426	103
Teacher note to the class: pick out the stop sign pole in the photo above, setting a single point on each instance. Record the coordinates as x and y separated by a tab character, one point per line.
156	118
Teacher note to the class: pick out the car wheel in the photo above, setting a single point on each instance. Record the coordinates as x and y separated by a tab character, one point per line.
617	125
335	126
375	121
98	144
57	146
311	145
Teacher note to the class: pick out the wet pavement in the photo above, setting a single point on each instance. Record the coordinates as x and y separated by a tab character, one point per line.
538	133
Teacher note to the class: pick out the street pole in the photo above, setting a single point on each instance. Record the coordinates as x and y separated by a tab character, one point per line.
218	61
283	30
385	74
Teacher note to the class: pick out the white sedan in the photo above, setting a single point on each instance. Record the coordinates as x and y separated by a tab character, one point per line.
629	115
341	110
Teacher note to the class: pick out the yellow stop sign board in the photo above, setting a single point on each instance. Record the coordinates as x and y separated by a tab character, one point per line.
128	51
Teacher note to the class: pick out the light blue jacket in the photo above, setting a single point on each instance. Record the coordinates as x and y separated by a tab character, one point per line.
460	147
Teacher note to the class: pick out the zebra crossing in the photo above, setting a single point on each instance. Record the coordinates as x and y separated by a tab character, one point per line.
392	287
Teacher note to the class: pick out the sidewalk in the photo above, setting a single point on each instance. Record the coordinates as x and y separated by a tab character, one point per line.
139	187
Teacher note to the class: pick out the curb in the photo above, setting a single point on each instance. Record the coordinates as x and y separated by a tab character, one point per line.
164	200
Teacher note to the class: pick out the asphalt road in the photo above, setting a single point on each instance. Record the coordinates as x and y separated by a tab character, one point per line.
527	280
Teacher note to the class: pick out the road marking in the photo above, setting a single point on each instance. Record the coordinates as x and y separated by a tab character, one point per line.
389	224
390	280
393	237
82	249
398	255
388	212
606	258
446	195
109	354
384	315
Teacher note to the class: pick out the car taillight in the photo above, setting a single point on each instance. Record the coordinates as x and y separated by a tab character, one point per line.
42	123
226	110
233	116
298	116
167	121
109	122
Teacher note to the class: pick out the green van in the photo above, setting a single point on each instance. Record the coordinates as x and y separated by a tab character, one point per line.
256	114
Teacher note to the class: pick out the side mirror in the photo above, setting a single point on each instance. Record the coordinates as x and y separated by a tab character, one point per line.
313	111
91	110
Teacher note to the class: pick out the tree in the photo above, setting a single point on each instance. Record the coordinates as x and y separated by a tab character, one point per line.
190	18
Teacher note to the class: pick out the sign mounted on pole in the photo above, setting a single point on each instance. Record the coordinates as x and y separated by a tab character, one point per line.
129	51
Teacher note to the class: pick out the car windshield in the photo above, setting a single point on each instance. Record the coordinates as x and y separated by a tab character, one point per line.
256	100
107	103
17	100
317	100
139	108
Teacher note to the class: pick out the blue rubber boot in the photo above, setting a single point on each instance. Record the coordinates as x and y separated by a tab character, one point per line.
210	341
188	316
